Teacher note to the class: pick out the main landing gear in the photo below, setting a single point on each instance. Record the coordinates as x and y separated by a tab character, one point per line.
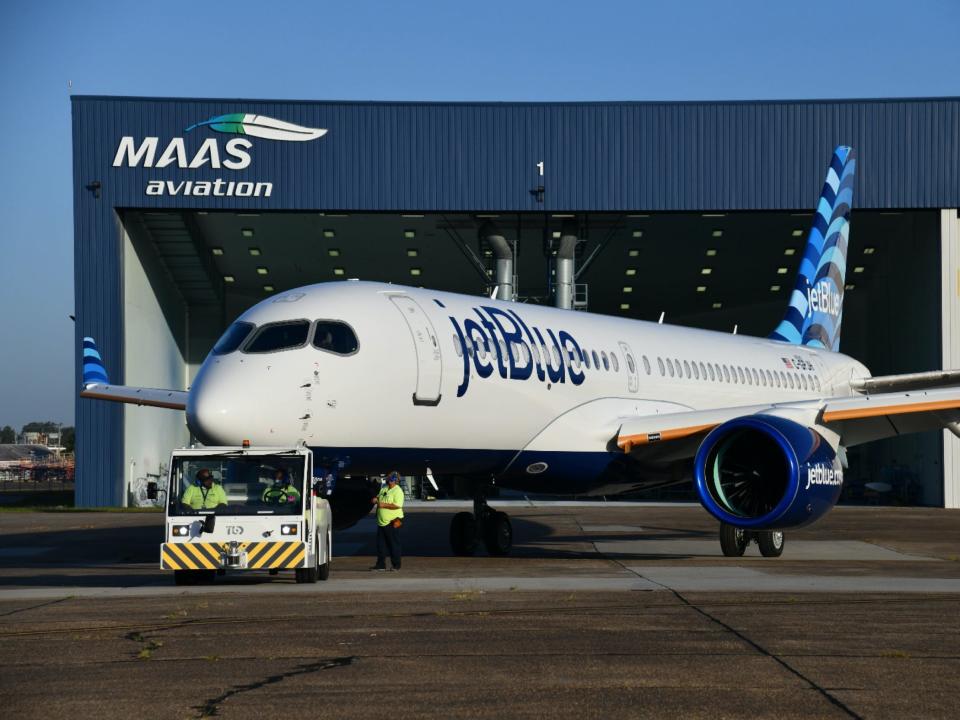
484	524
734	541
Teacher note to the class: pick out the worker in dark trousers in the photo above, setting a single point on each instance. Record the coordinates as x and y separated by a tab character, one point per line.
389	519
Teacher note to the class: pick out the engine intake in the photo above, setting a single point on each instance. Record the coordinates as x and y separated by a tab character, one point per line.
762	472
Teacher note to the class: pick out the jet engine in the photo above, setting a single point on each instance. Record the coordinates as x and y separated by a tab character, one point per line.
762	472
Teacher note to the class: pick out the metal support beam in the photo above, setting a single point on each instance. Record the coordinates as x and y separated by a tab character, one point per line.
563	282
503	254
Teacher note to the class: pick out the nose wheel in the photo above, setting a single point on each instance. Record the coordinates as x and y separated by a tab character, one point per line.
484	525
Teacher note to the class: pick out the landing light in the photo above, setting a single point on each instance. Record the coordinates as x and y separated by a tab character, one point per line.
181	530
288	529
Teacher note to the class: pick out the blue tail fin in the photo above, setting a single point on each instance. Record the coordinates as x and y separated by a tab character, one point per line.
816	305
93	368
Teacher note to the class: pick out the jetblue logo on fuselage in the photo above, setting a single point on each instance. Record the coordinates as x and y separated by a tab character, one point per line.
499	340
824	298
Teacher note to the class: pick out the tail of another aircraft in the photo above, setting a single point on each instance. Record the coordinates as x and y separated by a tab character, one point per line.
816	305
93	368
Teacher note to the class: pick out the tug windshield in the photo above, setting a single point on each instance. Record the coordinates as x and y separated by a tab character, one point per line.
232	484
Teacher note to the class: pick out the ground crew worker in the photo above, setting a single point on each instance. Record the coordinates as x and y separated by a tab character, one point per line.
204	494
389	519
281	492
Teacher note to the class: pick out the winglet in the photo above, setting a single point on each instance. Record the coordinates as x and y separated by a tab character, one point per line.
816	305
93	367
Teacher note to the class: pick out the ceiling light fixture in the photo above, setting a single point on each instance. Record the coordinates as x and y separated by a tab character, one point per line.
255	251
333	252
246	232
628	288
268	288
262	271
706	271
638	233
624	306
412	252
338	271
711	252
851	286
717	305
774	288
869	250
789	251
409	234
228	278
328	233
717	233
631	272
218	251
701	288
781	271
633	252
859	269
797	233
415	271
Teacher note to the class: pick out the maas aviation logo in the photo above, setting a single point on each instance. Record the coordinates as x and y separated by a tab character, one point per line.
233	155
260	126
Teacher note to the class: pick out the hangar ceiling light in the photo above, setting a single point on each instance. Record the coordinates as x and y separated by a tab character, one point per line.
717	233
781	271
555	234
790	251
255	251
638	233
631	271
411	216
851	286
713	215
333	252
701	288
859	269
409	234
268	288
774	288
717	305
262	270
633	252
488	253
869	250
338	271
624	306
706	271
246	232
228	278
412	252
415	271
628	288
218	251
797	233
328	233
711	252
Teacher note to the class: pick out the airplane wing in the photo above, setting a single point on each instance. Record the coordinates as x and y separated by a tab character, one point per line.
856	419
97	385
910	381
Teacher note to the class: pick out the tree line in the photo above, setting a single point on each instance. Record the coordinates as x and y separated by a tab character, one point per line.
8	435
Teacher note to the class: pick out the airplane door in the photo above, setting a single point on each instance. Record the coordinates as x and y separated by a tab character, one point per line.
633	378
427	345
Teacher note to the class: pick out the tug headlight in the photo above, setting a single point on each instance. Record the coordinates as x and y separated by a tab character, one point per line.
288	529
181	530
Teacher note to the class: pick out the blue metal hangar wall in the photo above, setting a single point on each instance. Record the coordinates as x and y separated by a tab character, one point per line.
188	211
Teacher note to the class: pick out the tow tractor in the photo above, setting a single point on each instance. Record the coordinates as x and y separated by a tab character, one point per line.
269	514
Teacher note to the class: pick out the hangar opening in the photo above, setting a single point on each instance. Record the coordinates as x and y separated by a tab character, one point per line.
697	211
719	271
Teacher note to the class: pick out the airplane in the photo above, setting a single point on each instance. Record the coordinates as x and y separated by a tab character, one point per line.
376	377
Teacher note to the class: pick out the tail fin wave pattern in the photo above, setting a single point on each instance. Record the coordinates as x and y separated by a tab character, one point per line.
94	370
816	305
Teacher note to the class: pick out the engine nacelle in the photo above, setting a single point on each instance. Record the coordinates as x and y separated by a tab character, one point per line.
761	472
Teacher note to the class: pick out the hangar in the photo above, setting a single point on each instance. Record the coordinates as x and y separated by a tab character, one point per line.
188	211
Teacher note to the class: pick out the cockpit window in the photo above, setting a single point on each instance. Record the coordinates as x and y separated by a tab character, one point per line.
279	336
232	338
336	337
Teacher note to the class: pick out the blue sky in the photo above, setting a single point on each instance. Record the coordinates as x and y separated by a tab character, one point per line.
391	51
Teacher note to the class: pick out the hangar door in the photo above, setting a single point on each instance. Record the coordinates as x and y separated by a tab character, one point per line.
427	344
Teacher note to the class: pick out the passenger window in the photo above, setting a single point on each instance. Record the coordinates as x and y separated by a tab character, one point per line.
726	374
670	366
586	359
614	362
686	369
335	337
712	376
756	379
660	365
790	381
596	360
606	362
703	370
279	336
696	371
630	365
769	379
740	374
805	382
817	380
457	346
233	338
646	364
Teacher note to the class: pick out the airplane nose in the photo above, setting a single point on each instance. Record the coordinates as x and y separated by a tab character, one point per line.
211	408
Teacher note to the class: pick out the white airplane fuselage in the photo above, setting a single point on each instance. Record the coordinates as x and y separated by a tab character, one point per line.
421	390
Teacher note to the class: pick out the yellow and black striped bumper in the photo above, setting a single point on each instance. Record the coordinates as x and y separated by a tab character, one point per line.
251	555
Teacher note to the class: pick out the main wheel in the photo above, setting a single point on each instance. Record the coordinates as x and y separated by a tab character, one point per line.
770	543
733	540
498	534
308	574
463	534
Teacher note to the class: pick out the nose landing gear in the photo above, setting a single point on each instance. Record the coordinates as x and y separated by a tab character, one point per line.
484	524
734	541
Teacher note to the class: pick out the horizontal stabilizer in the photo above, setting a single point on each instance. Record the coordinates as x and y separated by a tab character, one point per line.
96	385
910	381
